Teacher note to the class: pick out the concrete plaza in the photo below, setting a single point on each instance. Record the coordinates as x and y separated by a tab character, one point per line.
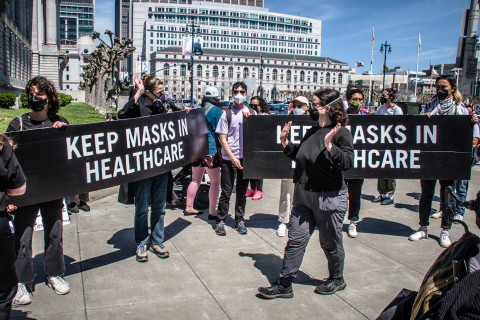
212	277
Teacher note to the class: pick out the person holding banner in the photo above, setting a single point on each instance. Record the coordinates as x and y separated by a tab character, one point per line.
12	183
386	187
447	102
43	100
320	198
210	162
354	186
148	100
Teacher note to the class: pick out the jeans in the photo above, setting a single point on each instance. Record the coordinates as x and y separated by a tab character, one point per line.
227	178
354	187
152	189
428	190
461	188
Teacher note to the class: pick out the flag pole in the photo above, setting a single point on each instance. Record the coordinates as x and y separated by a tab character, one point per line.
371	66
418	56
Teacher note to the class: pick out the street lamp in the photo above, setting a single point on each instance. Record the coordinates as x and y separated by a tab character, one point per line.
383	49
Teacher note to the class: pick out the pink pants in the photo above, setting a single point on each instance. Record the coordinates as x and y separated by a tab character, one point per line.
197	175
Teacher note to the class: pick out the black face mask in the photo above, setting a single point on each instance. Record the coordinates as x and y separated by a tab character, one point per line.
383	100
36	103
442	94
313	112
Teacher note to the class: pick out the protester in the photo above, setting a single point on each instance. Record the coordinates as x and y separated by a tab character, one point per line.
256	192
72	206
12	183
211	161
320	194
230	128
148	100
447	102
354	186
43	100
386	187
298	106
351	86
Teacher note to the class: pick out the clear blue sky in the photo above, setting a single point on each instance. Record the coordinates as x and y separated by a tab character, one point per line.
347	28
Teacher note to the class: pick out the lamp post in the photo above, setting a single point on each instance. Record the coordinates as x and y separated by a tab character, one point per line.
195	29
384	47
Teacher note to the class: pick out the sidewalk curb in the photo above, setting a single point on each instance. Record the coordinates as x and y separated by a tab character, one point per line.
102	193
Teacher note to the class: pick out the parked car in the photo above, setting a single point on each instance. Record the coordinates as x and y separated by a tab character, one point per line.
275	102
279	108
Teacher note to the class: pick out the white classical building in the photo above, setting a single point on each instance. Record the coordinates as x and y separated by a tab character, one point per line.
77	55
248	27
284	75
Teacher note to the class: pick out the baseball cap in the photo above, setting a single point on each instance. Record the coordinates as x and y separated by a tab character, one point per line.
211	92
301	99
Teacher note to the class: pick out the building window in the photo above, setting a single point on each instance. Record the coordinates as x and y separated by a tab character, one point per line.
215	72
302	76
230	72
183	70
67	77
340	78
328	78
245	73
274	74
289	75
199	71
315	77
166	72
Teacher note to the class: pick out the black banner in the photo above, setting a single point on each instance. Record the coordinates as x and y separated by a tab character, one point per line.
403	147
82	158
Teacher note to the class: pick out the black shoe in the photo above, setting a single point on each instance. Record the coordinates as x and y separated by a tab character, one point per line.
72	208
220	228
276	290
378	199
211	217
84	206
240	227
330	286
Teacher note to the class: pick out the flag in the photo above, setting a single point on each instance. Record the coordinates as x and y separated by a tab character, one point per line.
434	72
386	68
359	64
373	35
295	59
329	62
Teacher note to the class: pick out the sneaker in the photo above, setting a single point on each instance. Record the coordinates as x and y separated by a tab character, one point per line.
84	206
445	239
249	193
258	195
220	228
352	230
240	227
72	208
282	230
142	254
276	290
458	217
330	286
212	216
159	251
378	199
421	233
22	297
387	201
435	214
58	284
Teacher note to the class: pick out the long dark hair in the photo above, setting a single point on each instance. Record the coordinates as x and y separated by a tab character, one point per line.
332	98
263	104
45	85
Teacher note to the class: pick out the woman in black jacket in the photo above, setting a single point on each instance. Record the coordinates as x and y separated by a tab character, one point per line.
320	198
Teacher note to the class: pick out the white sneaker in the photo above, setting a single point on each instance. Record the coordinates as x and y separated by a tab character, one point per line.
458	217
282	230
445	239
22	297
352	230
436	215
58	284
421	233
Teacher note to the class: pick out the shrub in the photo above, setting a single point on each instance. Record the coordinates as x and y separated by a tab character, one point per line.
24	100
7	100
64	99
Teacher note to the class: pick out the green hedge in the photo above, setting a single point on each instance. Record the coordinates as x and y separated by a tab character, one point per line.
24	100
64	99
7	100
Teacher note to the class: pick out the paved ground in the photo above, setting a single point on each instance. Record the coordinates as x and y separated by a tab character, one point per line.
211	277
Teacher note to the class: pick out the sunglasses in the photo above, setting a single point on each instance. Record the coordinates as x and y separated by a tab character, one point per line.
253	105
239	91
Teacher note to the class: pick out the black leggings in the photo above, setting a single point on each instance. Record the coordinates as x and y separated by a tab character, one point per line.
8	276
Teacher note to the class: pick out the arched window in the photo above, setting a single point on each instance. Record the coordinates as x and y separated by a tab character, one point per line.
289	75
315	77
230	72
328	78
302	76
199	71
340	78
183	70
274	74
245	73
215	72
166	71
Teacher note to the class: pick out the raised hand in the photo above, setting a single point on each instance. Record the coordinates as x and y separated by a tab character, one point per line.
285	132
139	83
329	136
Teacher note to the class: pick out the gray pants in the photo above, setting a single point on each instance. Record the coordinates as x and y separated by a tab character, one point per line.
82	197
325	210
285	204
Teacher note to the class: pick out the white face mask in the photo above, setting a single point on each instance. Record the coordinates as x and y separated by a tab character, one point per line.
298	111
239	98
